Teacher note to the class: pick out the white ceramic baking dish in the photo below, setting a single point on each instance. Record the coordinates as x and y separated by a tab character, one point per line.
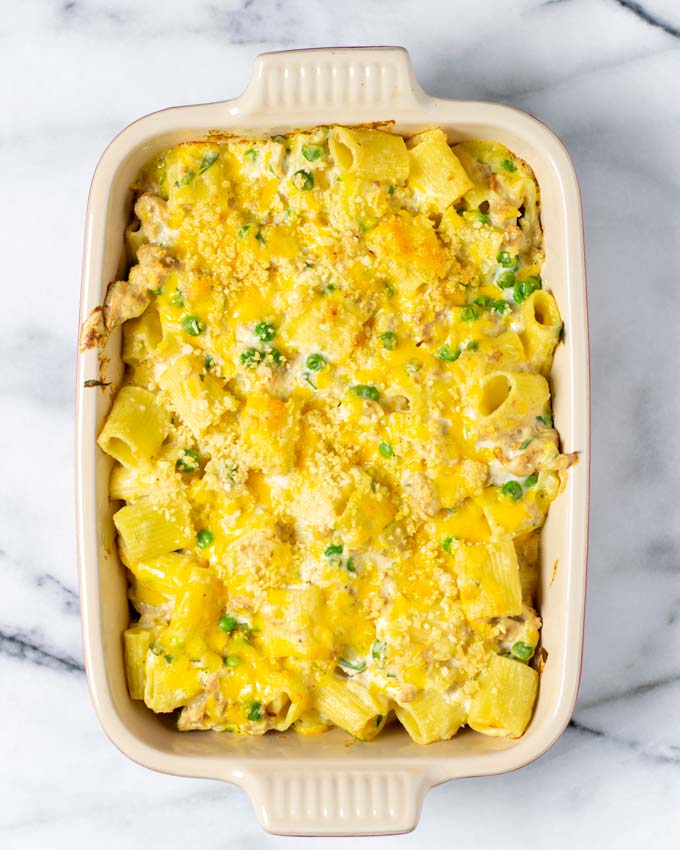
320	785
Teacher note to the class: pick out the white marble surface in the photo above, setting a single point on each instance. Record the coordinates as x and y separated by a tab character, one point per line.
605	74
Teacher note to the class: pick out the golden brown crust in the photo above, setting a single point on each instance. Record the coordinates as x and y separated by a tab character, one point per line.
127	299
93	332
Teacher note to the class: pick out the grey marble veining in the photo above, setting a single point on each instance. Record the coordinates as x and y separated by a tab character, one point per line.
605	75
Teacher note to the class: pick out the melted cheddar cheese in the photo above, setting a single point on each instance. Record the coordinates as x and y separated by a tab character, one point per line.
359	453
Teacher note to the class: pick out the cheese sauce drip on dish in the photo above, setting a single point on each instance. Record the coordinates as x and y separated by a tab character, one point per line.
334	437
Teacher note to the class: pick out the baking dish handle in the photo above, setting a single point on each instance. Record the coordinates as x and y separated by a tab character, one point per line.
305	81
324	801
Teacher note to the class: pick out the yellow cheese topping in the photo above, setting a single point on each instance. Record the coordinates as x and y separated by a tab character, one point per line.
334	440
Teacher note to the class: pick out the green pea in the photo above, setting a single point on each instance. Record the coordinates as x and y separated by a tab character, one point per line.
446	544
445	353
328	289
469	313
483	301
274	355
312	152
349	566
523	651
386	450
389	340
513	490
524	288
232	660
500	306
316	362
506	279
508	165
333	549
188	461
192	325
532	480
227	623
303	180
506	259
391	190
473	346
366	391
250	357
265	331
208	361
204	538
255	711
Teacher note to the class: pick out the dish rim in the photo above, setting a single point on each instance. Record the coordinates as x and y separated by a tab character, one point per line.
395	810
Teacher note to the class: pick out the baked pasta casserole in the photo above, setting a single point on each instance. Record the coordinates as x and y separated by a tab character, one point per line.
333	443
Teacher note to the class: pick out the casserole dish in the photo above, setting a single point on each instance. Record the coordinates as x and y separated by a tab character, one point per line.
320	785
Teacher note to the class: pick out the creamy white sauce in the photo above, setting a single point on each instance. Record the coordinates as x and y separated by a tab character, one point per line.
498	474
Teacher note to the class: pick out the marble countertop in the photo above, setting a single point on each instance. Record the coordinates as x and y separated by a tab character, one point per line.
604	74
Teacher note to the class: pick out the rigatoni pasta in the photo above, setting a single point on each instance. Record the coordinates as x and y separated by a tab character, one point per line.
505	699
435	173
542	329
358	709
147	529
135	428
369	154
334	438
432	716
